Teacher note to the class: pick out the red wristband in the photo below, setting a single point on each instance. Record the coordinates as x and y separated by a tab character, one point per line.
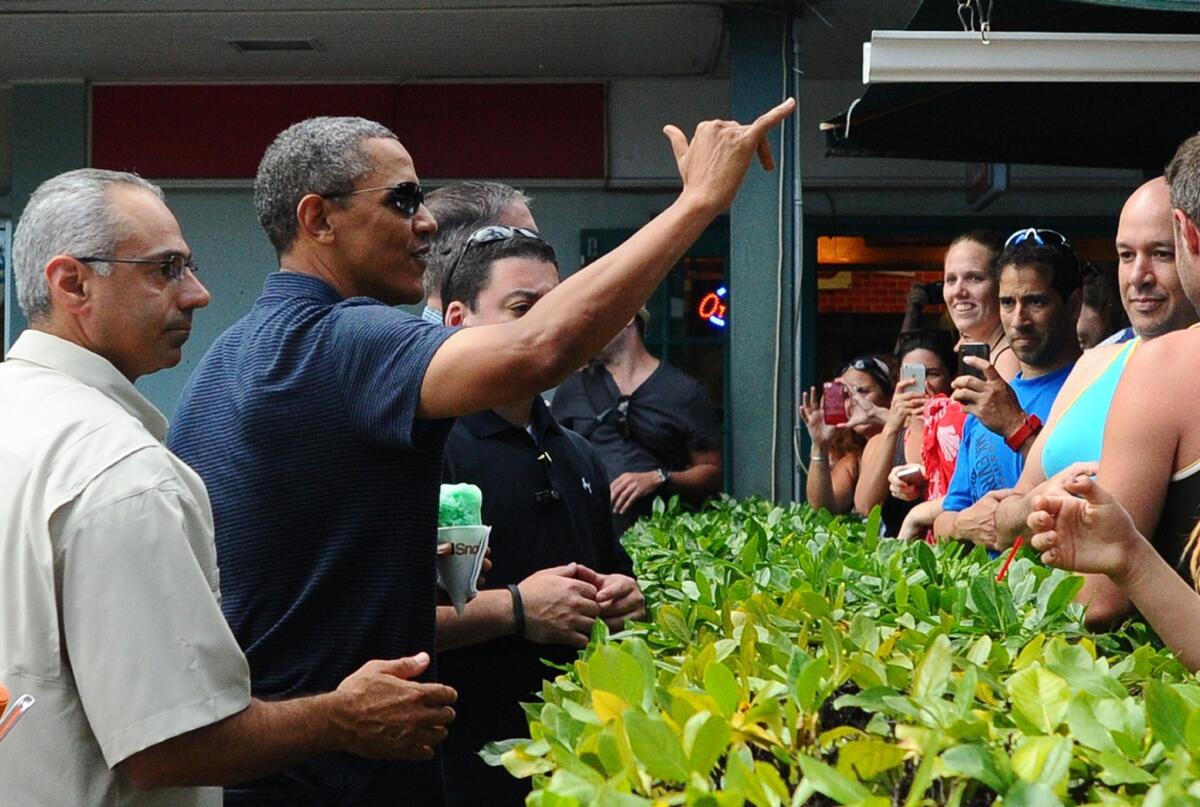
1031	426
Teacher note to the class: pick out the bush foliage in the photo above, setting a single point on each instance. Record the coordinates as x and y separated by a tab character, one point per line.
795	659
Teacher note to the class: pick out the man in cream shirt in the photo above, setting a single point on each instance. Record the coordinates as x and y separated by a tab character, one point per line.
110	614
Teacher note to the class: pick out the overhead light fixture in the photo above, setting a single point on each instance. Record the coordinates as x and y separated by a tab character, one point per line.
273	45
1034	56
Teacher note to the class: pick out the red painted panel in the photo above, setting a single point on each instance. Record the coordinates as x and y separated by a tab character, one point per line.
551	131
504	130
213	131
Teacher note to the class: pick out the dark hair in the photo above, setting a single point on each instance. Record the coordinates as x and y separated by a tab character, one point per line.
874	366
1183	175
460	209
1057	260
474	270
936	341
1102	293
990	240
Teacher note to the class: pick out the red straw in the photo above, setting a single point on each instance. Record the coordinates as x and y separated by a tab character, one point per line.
1012	553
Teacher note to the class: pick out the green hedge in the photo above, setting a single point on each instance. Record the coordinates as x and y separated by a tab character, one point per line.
798	659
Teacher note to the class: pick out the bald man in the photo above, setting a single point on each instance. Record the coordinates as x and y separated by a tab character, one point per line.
1154	300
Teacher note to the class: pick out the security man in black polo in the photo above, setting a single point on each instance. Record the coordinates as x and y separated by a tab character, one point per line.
557	565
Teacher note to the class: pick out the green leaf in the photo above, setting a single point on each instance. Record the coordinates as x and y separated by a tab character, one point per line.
1040	696
865	759
1085	728
982	764
986	600
656	746
492	752
1024	794
932	675
871	529
723	687
614	670
828	781
1043	759
1167	712
1117	770
705	738
926	560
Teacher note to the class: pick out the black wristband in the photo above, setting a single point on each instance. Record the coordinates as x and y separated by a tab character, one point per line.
518	610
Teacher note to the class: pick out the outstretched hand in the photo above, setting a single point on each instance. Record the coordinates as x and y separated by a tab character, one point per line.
1081	527
715	161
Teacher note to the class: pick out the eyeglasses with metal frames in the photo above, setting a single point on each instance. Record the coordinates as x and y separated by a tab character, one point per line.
172	268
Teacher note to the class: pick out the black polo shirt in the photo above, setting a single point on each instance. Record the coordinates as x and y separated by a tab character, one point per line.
670	415
546	496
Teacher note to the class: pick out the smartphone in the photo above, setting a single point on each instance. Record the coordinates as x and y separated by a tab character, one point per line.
910	473
934	292
980	349
917	373
834	403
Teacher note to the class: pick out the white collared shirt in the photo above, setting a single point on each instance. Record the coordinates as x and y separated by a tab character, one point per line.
109	600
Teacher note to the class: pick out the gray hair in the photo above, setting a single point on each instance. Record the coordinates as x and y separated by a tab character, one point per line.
460	209
1183	175
320	155
70	214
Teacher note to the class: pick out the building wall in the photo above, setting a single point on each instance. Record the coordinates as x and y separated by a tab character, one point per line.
47	130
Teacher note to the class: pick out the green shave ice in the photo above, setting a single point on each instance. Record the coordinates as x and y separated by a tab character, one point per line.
460	505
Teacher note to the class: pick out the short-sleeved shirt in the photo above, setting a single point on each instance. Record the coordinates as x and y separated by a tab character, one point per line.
670	415
545	494
111	617
985	462
301	419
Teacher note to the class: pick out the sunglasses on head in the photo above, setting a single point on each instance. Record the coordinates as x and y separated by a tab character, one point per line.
868	365
485	235
1043	238
406	196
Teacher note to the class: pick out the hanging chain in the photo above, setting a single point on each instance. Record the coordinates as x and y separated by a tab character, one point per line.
970	10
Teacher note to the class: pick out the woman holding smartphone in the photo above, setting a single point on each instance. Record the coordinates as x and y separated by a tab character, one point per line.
971	293
838	439
926	362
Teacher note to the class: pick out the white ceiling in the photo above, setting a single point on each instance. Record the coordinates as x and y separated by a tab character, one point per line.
394	40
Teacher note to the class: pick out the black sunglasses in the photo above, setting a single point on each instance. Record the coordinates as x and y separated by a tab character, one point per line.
172	268
1043	238
485	235
407	196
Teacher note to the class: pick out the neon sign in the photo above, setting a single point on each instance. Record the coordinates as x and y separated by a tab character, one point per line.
714	309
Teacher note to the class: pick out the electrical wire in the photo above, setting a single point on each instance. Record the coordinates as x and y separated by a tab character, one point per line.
779	270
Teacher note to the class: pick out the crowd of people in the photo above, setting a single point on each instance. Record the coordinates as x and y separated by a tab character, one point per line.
1069	434
247	598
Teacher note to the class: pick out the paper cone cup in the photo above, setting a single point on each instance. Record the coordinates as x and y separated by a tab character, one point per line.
459	571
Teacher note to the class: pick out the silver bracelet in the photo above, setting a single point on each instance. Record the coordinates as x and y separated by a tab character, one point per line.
817	458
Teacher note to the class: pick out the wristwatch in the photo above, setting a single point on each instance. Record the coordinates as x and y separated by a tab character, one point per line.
1031	426
664	476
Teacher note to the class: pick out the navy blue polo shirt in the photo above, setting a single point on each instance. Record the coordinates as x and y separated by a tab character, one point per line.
301	419
546	497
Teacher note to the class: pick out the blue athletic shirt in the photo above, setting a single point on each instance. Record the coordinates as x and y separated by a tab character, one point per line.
301	419
1078	435
985	463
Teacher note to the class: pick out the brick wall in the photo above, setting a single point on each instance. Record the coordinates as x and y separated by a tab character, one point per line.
867	292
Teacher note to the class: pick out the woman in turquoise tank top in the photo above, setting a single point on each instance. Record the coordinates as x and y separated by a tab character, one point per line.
1074	432
1079	433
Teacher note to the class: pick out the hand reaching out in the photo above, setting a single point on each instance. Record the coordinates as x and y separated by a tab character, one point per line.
1082	528
715	161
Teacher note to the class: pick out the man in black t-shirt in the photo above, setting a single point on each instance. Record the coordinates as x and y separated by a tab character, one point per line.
654	426
557	565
